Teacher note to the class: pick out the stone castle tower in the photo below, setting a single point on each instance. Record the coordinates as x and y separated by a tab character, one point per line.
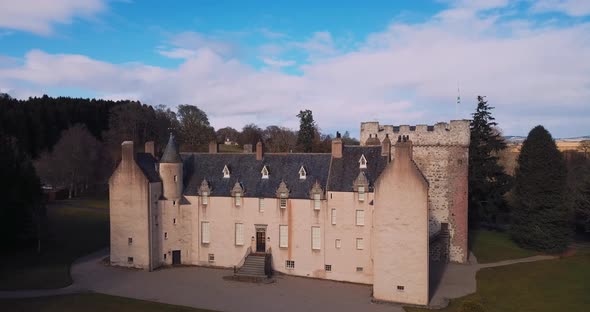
441	153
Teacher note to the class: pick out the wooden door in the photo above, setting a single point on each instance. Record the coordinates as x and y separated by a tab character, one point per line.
175	257
260	241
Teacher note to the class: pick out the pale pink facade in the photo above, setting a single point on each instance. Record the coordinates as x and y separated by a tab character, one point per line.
373	232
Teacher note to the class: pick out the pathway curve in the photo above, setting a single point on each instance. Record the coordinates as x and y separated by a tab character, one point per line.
204	288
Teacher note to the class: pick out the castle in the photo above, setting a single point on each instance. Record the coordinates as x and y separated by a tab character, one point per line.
364	214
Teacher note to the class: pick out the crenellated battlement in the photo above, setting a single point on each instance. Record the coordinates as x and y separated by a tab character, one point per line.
454	133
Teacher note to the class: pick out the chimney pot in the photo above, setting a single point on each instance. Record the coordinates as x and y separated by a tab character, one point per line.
213	147
149	148
259	151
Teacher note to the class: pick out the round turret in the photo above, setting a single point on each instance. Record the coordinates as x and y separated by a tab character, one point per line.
171	171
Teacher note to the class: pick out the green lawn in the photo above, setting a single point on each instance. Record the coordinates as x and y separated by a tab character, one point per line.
492	246
88	303
72	233
98	203
551	285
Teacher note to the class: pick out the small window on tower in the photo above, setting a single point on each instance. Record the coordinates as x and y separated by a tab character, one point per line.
165	235
130	240
130	260
174	220
175	178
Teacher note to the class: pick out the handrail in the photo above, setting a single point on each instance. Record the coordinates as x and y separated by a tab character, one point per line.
268	270
241	263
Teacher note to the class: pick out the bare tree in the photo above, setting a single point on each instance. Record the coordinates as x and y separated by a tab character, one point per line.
74	161
279	139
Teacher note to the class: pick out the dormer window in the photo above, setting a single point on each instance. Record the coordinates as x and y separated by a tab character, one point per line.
237	192
238	198
316	196
361	191
302	173
363	162
205	198
225	172
283	195
264	172
283	200
204	191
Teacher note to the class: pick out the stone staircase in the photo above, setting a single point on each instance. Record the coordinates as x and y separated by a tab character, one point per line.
253	266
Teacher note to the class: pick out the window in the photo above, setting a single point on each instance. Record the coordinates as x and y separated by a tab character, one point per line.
205	198
290	264
165	235
283	200
174	220
316	201
173	203
238	198
261	205
328	267
211	257
130	260
338	244
205	232
361	191
175	178
302	173
225	172
359	269
130	240
315	238
333	216
283	236
164	256
264	172
360	244
400	287
239	234
360	217
363	162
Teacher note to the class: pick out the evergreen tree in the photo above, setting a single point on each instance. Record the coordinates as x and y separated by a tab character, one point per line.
307	131
21	212
487	180
541	217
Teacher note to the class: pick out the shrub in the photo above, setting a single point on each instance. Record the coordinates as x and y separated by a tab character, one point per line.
471	306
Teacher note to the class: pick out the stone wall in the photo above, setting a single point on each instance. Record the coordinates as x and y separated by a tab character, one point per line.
441	152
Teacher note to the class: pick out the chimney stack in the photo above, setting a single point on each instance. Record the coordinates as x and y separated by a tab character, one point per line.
403	149
127	153
259	150
213	147
149	148
337	146
386	147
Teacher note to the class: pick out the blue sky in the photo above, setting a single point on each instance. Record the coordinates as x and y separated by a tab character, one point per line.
398	62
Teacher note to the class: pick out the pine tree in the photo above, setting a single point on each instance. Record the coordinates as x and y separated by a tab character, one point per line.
487	180
307	131
541	217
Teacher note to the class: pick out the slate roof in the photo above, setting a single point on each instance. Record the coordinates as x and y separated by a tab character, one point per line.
244	168
147	164
346	169
171	152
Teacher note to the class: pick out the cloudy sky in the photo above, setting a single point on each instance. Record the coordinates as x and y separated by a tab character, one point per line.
397	62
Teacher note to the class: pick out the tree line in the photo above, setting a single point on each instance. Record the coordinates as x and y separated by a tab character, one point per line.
546	200
74	143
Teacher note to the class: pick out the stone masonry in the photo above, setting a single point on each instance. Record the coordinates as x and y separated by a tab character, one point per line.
441	152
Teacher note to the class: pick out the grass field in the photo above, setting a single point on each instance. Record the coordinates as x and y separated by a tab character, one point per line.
88	303
544	286
72	233
492	246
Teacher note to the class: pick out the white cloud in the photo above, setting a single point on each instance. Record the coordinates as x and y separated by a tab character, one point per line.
407	73
277	62
569	7
186	44
39	16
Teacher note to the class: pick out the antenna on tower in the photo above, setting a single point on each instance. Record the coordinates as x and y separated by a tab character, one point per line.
458	100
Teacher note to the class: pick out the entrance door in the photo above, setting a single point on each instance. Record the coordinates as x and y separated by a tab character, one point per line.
175	256
260	240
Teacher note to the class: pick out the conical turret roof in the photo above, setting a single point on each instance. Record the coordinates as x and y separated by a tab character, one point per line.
171	154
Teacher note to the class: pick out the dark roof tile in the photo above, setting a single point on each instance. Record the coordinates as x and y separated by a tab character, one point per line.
346	169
